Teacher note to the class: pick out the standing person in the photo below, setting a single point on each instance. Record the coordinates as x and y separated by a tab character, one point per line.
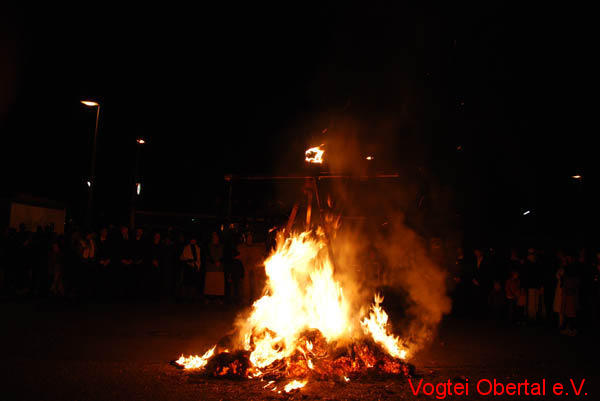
39	249
139	271
548	276
570	298
461	280
214	283
533	284
558	291
180	266
55	270
26	260
585	271
513	291
88	266
123	253
234	273
515	262
11	259
72	258
481	283
104	264
191	257
595	291
3	259
497	301
170	267
252	256
77	277
156	267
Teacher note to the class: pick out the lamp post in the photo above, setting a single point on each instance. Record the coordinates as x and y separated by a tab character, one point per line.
136	190
91	180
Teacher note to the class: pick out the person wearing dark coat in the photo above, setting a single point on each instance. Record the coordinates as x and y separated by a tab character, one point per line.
586	272
155	267
191	257
234	274
105	265
170	267
139	271
571	298
481	283
460	276
55	270
123	257
533	283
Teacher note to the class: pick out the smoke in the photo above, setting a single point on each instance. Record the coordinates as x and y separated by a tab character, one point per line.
397	262
384	242
411	268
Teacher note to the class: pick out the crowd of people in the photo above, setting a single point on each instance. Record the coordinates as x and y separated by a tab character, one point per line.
116	263
561	289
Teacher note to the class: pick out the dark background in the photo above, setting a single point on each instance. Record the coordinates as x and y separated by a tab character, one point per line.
487	104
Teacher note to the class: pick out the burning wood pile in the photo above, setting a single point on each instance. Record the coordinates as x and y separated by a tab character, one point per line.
304	327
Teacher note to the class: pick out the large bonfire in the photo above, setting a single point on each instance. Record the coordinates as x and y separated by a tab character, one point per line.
304	327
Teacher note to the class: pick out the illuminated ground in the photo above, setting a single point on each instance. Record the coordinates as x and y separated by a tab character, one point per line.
109	351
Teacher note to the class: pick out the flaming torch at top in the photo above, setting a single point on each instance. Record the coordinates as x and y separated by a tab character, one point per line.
315	155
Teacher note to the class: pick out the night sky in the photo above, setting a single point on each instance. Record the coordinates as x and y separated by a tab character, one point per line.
245	90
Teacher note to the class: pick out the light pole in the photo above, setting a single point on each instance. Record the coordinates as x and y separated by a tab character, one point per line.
92	179
135	191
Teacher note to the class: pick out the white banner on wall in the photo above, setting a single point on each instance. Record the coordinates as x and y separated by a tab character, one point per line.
34	216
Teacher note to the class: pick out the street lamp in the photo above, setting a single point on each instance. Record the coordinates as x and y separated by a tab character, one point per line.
90	103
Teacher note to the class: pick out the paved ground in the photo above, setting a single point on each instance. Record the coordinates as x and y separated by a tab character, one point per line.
121	352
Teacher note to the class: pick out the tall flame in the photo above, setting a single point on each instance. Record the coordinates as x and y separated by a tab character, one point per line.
302	294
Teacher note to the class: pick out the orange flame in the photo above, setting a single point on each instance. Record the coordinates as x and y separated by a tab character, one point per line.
293	385
314	155
376	325
302	294
196	362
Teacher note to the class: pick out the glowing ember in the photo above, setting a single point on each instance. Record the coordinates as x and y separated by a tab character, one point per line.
314	155
293	385
196	362
304	327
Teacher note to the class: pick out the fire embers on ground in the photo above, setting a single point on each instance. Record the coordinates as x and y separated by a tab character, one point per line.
313	359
